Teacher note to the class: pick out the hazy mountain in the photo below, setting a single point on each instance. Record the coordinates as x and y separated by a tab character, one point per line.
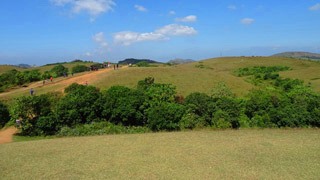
135	61
24	66
180	61
299	55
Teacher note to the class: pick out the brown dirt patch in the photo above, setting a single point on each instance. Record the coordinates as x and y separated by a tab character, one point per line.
7	134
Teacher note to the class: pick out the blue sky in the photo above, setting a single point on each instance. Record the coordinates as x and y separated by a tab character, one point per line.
46	31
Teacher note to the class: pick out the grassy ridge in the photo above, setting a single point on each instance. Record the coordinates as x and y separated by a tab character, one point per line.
190	78
241	154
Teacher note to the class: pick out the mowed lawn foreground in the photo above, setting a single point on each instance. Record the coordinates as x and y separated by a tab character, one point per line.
229	154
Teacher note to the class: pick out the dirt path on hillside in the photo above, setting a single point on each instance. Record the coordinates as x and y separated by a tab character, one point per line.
7	134
59	84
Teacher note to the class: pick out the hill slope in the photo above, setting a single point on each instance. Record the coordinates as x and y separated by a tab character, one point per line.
187	78
299	55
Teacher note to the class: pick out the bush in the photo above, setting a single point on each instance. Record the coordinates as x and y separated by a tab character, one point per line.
80	68
165	116
78	106
59	70
4	114
29	109
100	128
122	105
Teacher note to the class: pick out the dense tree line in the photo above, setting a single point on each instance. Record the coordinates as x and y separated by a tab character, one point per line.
157	107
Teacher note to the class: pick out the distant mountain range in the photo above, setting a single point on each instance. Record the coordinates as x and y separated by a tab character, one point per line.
135	61
180	61
300	55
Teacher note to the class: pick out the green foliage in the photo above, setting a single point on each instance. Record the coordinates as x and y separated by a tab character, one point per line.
201	105
191	120
46	75
158	93
29	109
122	105
165	116
78	106
100	128
16	78
145	84
221	90
79	68
4	114
287	84
84	110
143	64
59	70
259	70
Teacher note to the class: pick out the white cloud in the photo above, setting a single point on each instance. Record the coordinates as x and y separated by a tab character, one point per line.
232	7
100	39
172	12
140	8
176	30
128	37
191	18
315	7
247	21
88	54
92	7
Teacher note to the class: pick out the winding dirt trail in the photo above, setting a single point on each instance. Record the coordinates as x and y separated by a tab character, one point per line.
58	84
7	134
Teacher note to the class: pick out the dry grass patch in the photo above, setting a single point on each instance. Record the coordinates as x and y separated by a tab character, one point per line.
242	154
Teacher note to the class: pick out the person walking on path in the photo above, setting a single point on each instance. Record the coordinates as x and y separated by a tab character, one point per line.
51	79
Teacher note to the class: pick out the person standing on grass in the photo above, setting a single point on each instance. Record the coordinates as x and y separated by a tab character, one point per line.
51	79
31	92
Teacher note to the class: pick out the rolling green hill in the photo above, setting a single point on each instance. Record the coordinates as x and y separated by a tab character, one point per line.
299	55
199	76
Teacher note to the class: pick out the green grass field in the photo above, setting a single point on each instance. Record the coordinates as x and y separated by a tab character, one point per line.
229	154
188	78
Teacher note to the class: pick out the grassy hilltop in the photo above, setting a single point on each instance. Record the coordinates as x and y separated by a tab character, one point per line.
199	76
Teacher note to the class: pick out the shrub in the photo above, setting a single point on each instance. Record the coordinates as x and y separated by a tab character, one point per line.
79	105
122	105
201	105
4	114
165	116
79	68
100	128
59	70
29	109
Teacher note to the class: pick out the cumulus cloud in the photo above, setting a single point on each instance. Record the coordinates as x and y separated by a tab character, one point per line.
315	7
140	8
100	39
247	21
232	7
176	30
191	18
92	7
128	37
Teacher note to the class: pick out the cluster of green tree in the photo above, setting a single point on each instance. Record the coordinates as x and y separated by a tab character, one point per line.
157	107
145	64
261	72
17	78
14	77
